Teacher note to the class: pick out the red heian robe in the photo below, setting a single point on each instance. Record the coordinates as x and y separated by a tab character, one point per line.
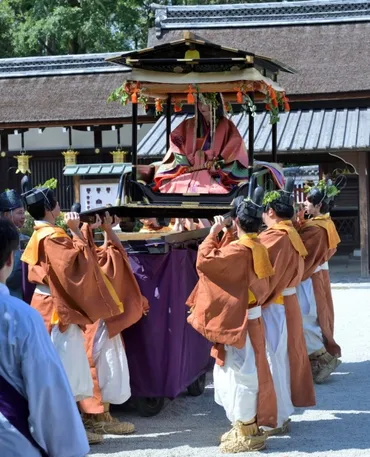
228	149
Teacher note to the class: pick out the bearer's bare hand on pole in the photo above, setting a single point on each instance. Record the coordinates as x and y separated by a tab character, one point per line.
97	222
109	222
72	220
109	234
219	224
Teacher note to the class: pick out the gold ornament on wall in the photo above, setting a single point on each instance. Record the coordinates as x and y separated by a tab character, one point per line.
70	157
23	163
119	155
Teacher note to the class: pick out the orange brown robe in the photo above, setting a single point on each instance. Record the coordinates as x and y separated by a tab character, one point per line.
79	293
321	240
114	262
232	278
286	254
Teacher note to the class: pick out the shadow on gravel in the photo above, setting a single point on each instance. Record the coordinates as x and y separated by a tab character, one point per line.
342	421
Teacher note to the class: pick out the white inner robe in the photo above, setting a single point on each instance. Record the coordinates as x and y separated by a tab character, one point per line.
71	350
236	383
277	355
111	366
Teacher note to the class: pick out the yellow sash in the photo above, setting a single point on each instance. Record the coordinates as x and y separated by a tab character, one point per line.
31	253
295	239
261	261
326	223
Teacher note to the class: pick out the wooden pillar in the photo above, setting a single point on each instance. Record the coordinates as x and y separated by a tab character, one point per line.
4	161
363	208
251	139
134	141
98	139
76	189
168	121
274	158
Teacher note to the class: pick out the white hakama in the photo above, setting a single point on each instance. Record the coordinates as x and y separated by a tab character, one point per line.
311	328
236	383
111	366
70	347
277	355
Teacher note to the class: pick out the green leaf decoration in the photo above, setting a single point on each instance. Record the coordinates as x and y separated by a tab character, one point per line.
49	184
326	187
271	196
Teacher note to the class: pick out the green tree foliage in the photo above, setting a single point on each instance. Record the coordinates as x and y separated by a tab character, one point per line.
54	27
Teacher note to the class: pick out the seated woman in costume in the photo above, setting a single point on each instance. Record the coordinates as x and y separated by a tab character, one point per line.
207	154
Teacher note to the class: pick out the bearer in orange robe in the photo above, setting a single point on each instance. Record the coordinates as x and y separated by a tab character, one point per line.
289	362
225	308
103	340
321	239
71	289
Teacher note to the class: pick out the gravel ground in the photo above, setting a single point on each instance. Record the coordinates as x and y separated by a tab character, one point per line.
338	426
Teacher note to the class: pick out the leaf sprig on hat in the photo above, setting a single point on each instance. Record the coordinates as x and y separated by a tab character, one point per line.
49	184
271	196
326	187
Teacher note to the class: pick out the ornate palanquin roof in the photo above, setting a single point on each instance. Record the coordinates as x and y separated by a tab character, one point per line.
191	65
192	54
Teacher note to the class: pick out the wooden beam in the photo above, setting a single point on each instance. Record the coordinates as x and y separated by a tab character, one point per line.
363	161
142	119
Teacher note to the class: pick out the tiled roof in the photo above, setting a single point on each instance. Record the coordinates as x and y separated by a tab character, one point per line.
97	169
298	131
58	65
260	14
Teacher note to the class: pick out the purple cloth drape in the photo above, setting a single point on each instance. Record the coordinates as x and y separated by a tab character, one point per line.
165	354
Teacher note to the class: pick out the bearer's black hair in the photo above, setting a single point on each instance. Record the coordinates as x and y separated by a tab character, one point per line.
247	223
48	203
316	196
282	210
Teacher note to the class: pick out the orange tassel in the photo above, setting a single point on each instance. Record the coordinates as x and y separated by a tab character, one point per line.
275	102
239	97
158	105
177	108
134	97
286	106
268	108
190	97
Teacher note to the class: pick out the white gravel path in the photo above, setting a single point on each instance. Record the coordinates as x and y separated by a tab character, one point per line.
338	426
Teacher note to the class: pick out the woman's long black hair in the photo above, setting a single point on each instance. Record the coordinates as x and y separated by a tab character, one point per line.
220	113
